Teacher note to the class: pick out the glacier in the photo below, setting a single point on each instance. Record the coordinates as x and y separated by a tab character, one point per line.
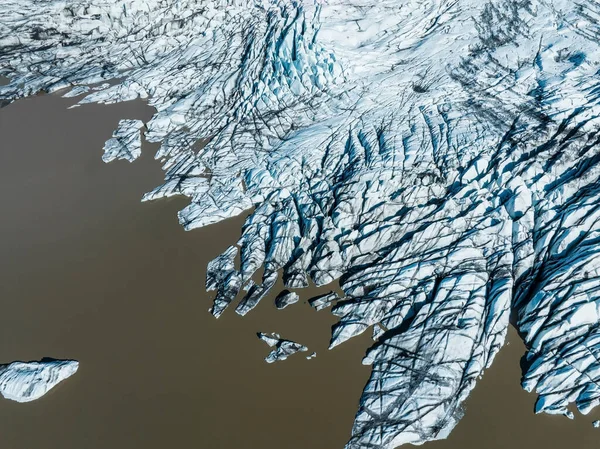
438	160
28	381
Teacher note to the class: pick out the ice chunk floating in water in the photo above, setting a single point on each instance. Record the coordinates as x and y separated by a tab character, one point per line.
286	298
439	159
282	349
28	381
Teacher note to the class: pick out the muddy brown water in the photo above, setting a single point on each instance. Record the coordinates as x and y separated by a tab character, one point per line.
88	272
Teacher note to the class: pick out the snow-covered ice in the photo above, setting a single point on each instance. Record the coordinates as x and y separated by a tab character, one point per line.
28	381
438	159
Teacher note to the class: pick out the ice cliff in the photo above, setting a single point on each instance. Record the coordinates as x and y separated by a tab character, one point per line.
439	159
28	381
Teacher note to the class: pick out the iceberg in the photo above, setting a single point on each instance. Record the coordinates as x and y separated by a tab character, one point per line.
439	160
28	381
286	298
282	349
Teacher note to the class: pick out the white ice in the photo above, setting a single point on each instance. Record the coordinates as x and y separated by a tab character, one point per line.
28	381
438	159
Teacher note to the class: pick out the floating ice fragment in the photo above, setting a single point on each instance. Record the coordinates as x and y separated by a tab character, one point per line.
286	298
283	348
28	381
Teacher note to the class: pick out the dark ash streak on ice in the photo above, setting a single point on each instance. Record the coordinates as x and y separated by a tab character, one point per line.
438	158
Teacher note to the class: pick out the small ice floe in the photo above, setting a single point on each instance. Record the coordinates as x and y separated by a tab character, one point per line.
28	381
282	348
286	298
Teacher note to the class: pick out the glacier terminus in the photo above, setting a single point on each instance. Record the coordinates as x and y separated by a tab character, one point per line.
438	160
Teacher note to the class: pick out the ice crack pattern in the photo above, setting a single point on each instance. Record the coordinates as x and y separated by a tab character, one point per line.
438	159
